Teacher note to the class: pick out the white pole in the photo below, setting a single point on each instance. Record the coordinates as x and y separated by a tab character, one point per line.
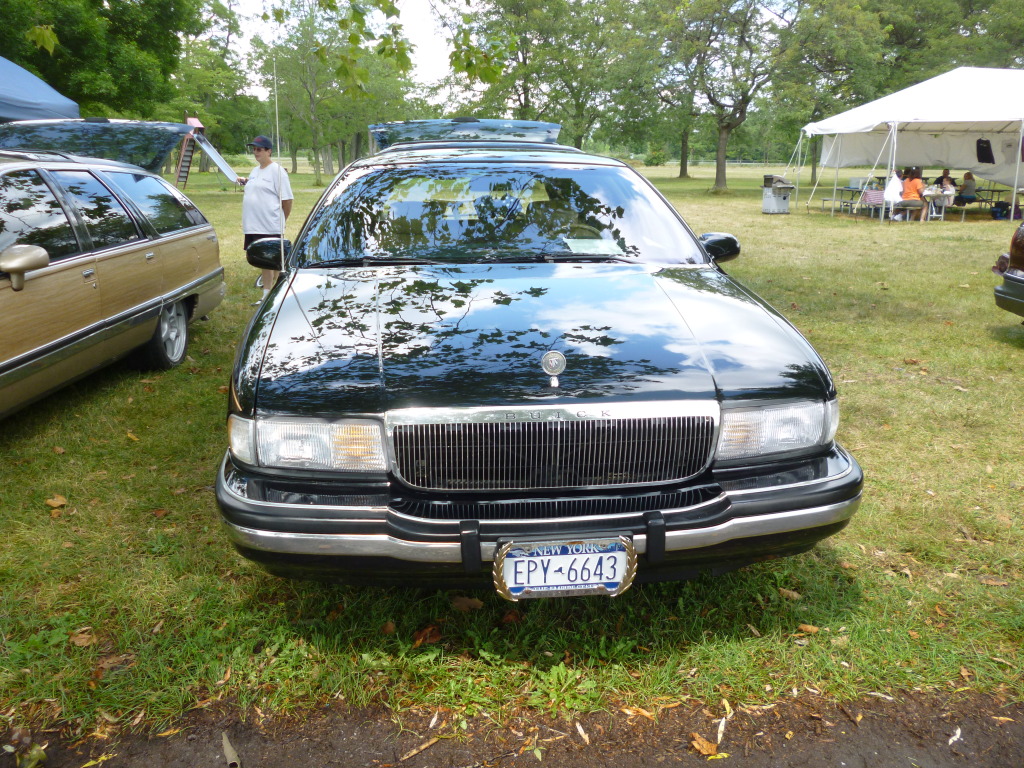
1016	174
835	178
277	119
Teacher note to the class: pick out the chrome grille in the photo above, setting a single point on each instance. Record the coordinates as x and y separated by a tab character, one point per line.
490	456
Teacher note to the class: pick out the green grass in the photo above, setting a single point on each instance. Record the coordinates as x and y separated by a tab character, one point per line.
128	603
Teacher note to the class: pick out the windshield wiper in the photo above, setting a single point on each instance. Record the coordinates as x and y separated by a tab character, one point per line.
551	258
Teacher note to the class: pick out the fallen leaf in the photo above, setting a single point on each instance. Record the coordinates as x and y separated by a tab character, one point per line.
132	437
702	745
512	616
83	637
227	676
388	628
427	636
638	712
159	626
56	501
789	735
100	760
911	361
914	635
466	604
961	389
586	739
1002	720
847	566
810	629
753	630
965	673
158	513
58	450
789	594
995	583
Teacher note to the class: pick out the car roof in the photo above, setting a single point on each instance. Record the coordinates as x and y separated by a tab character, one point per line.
47	158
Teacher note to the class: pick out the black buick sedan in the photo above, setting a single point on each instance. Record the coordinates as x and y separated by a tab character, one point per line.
492	359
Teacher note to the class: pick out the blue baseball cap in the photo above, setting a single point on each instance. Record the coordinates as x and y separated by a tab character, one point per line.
261	141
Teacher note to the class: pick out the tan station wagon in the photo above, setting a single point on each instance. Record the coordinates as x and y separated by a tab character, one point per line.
98	258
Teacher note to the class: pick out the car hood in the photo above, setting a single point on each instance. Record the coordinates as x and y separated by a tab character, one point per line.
370	340
144	144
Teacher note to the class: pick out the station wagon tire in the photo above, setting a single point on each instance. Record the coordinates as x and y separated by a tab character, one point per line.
169	344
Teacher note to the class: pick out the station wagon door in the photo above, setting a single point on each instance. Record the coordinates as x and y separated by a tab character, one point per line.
47	329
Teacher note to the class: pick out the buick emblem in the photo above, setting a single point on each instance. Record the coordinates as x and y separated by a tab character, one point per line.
553	363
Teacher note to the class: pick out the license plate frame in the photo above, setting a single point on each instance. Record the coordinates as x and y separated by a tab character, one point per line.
564	567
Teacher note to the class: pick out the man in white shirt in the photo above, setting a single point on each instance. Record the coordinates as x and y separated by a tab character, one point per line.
266	203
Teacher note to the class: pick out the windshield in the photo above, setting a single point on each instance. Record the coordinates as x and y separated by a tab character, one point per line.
472	212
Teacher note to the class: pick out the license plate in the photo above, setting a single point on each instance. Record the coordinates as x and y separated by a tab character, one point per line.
564	568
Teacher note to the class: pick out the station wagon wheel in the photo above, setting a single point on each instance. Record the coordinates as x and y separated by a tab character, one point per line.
169	343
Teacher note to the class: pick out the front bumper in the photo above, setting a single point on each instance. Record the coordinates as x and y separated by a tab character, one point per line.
373	535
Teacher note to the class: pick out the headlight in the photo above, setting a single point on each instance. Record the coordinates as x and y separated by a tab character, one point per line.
750	432
352	445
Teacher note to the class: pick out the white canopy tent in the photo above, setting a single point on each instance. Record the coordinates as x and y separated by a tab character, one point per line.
945	122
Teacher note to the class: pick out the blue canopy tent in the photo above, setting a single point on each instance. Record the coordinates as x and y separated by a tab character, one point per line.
23	96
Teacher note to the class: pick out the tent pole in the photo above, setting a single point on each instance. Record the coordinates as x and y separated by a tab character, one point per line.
1014	204
835	177
817	181
890	163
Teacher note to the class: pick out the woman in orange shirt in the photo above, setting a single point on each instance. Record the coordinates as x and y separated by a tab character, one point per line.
912	189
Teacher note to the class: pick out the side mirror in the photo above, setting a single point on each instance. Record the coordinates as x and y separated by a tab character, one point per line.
268	253
720	246
19	259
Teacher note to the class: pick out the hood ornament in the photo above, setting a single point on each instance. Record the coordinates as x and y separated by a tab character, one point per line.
553	363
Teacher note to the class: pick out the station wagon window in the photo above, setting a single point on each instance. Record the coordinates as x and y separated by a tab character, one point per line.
165	210
31	215
107	220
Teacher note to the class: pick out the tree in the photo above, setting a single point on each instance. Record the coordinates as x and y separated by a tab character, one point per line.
318	104
111	56
563	60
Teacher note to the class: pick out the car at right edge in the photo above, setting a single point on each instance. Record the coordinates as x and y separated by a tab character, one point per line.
1010	295
494	360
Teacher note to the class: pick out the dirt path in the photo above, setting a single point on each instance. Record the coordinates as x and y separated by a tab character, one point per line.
913	730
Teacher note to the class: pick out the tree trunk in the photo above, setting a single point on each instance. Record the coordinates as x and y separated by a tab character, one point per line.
684	153
329	160
357	145
295	160
341	154
724	130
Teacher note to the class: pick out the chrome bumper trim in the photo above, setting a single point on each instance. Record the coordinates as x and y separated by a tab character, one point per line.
383	545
